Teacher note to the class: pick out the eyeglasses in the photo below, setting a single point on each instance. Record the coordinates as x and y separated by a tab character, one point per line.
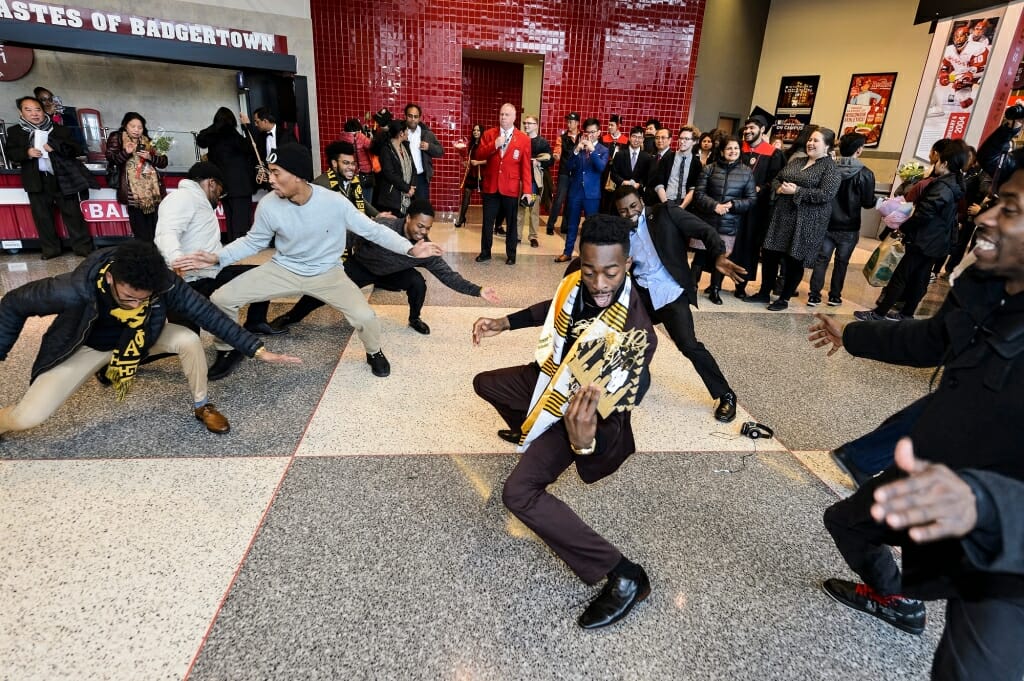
126	299
46	100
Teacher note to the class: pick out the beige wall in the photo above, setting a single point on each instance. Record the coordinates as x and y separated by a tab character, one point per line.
727	59
533	78
810	37
173	96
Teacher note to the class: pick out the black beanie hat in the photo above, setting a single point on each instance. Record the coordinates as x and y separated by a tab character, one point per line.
294	158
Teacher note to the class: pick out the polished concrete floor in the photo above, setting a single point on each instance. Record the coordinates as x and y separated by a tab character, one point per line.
351	527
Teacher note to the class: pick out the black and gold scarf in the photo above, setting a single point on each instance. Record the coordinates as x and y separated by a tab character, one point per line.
131	346
355	189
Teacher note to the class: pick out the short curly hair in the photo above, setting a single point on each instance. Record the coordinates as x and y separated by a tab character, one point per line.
606	230
140	265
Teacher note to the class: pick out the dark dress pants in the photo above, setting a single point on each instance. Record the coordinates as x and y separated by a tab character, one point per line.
747	250
909	283
792	274
143	224
525	493
422	187
409	280
981	641
498	207
42	204
238	216
558	203
863	542
678	321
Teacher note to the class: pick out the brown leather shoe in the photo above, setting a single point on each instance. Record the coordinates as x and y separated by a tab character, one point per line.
563	258
214	421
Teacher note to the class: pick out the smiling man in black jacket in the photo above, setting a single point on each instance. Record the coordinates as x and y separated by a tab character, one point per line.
112	312
970	421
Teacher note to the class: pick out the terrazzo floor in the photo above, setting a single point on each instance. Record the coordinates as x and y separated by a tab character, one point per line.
351	527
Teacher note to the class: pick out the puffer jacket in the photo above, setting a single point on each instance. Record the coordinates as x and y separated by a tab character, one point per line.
856	191
721	183
929	229
72	297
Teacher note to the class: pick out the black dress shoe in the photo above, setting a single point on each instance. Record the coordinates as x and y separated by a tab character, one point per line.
482	258
224	364
549	231
534	243
616	599
512	436
510	261
379	364
265	329
726	410
282	322
759	298
714	297
419	326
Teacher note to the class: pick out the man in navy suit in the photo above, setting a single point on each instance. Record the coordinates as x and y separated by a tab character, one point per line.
585	163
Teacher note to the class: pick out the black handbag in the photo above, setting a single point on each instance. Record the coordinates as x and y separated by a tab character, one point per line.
113	176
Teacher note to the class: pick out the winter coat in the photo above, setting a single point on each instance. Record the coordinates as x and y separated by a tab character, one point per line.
929	230
977	336
117	156
800	220
72	297
856	191
721	183
234	154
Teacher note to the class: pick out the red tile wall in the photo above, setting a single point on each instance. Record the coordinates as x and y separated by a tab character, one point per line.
486	85
635	58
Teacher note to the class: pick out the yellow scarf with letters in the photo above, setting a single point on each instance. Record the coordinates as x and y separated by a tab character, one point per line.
130	349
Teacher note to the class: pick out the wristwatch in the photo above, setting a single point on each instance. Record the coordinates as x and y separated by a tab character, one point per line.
584	451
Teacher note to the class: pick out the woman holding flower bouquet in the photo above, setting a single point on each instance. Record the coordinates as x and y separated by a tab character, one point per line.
140	186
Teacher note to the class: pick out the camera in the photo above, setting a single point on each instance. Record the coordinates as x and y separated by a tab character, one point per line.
1014	113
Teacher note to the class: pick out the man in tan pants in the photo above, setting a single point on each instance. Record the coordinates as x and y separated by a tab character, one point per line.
112	312
309	225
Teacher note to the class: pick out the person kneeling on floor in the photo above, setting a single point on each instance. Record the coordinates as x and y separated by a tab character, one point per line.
112	312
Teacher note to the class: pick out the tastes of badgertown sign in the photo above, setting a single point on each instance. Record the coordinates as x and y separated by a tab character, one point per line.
143	27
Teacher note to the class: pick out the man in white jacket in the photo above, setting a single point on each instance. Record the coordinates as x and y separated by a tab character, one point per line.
187	222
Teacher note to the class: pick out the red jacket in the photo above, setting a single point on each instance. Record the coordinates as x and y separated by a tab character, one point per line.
508	175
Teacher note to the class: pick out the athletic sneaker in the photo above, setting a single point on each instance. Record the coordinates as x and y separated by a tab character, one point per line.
834	301
813	299
901	612
868	316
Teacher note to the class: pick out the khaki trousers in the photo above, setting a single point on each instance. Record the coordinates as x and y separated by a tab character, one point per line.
52	388
534	212
270	280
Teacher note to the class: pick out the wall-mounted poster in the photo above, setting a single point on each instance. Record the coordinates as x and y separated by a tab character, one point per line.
963	66
866	105
794	107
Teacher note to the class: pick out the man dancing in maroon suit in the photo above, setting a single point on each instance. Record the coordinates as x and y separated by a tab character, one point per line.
506	178
572	406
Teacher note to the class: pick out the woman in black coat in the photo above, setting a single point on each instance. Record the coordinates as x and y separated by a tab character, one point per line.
725	192
926	234
471	180
234	154
395	189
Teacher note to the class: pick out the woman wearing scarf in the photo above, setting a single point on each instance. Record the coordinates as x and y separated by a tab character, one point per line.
47	155
140	186
396	170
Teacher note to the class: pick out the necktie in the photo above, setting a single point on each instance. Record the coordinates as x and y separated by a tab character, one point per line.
632	160
684	170
504	142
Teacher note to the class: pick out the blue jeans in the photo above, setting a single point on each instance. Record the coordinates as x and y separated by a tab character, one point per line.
873	453
574	206
843	244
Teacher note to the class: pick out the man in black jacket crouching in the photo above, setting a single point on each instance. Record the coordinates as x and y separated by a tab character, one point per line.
112	312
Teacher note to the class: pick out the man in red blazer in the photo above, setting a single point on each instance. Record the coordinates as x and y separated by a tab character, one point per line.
506	179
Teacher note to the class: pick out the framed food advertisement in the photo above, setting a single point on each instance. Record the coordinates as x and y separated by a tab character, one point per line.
794	106
867	103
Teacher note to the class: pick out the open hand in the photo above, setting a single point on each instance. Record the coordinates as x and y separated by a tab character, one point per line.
730	269
425	249
824	331
934	502
275	358
490	295
195	261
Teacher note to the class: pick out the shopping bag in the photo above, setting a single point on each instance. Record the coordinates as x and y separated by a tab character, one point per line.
880	266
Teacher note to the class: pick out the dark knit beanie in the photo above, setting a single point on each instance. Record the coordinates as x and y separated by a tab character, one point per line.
294	158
